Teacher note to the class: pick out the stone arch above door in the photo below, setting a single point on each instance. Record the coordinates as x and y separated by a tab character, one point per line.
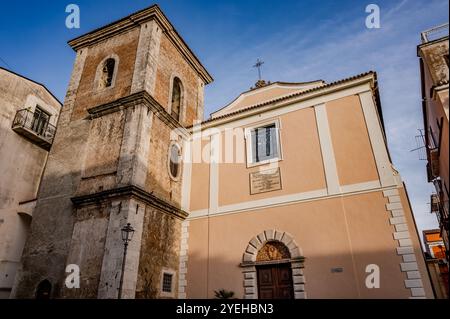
291	253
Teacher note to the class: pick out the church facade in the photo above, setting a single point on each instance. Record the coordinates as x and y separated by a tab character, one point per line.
287	192
313	205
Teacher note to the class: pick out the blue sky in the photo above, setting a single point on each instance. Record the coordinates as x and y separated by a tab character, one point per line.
298	40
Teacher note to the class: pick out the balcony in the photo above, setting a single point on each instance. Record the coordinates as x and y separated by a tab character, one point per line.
433	169
35	126
434	33
440	208
443	215
434	203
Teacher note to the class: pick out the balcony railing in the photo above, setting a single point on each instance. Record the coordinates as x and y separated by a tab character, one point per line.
36	129
434	33
443	215
439	205
434	203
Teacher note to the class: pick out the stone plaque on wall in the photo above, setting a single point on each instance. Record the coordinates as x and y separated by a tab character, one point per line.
265	181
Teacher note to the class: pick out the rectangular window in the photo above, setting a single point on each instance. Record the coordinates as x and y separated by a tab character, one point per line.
167	282
264	143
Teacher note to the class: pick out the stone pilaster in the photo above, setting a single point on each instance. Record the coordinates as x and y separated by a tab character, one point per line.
144	76
182	281
134	153
122	212
200	99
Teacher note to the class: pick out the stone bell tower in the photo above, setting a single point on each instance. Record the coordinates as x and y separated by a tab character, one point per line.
135	85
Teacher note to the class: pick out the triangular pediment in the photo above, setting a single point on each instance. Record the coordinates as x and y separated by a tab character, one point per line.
264	94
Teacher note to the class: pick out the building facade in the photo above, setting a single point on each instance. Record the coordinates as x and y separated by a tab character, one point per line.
434	63
436	262
288	192
295	196
134	87
28	117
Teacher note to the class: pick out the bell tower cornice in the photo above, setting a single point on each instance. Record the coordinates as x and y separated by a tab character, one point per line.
135	20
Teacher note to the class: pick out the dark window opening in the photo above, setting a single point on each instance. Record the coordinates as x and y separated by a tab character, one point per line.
176	99
44	290
174	160
167	282
108	72
40	121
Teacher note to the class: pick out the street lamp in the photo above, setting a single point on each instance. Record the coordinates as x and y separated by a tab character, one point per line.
127	235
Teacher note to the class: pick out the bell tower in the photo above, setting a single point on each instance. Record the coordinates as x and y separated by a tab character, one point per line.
115	160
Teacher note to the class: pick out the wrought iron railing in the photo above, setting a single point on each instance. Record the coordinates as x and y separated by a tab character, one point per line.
37	126
443	214
439	205
434	33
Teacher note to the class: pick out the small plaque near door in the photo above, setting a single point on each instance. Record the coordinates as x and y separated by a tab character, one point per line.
265	181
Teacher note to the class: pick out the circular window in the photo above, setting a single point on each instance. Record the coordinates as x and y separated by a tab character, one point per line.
174	160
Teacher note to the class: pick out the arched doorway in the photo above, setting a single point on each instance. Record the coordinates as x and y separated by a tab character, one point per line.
272	266
274	274
44	290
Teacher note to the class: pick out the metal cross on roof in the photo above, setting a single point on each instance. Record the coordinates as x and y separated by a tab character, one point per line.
258	65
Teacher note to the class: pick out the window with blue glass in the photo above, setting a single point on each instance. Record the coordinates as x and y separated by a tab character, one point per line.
265	144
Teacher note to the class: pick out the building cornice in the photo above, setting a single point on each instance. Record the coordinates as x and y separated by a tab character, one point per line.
136	99
427	44
434	90
368	77
130	191
136	19
269	86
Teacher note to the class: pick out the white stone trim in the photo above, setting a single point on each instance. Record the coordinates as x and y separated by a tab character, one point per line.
326	146
75	78
360	186
249	271
297	103
27	208
413	274
187	176
136	131
122	212
405	247
401	227
182	271
145	66
248	142
299	87
418	292
71	95
214	174
405	250
286	199
377	139
200	100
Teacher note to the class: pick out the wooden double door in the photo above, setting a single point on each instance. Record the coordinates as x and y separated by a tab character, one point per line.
275	281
